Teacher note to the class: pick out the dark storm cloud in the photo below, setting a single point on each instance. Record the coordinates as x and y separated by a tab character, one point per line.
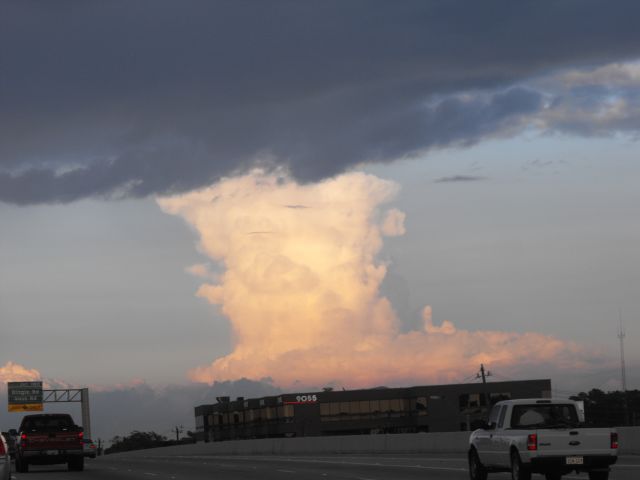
140	97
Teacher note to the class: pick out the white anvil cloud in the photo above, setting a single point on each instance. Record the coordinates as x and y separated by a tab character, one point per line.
301	289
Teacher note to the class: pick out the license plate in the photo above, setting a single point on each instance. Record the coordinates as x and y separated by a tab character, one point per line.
51	452
575	460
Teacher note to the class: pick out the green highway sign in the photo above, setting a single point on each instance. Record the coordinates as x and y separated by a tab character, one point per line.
25	396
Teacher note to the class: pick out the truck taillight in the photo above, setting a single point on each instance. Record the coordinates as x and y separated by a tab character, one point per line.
3	451
23	440
614	440
80	435
532	441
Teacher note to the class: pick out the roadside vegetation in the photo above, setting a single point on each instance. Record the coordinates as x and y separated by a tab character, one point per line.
142	440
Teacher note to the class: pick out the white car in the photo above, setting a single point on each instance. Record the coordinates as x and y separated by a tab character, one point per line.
5	460
89	448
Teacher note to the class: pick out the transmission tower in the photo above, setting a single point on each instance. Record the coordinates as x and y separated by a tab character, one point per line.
623	369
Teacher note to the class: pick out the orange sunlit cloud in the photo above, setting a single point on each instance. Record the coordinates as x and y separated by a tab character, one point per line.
301	288
13	372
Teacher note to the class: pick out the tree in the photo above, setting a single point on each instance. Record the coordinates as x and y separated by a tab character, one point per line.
136	441
610	409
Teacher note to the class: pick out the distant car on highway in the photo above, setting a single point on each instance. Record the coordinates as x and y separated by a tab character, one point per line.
5	459
89	448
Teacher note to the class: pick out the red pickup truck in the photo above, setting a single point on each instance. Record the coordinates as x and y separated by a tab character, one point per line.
47	439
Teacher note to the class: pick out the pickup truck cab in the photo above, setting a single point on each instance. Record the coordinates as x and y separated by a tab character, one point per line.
47	439
544	436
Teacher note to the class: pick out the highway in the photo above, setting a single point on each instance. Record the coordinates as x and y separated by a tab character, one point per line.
345	467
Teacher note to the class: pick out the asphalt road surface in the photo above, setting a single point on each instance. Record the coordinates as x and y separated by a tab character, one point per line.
343	467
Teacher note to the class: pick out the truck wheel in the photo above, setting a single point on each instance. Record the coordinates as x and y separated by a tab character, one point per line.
76	464
21	465
518	471
476	469
599	475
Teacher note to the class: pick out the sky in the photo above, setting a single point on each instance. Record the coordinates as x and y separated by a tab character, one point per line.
299	194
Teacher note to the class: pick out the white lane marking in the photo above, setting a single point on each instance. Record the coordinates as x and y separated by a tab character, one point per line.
341	462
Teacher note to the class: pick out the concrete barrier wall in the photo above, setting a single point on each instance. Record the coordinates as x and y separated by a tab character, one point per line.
448	442
629	440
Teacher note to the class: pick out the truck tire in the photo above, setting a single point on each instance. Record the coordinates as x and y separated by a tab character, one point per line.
599	475
21	465
76	464
518	470
477	471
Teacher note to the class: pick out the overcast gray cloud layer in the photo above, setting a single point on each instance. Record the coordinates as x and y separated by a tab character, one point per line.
138	97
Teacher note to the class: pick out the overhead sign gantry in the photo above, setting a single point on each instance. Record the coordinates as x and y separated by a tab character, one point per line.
30	397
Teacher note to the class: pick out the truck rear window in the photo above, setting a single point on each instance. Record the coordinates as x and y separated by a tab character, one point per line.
48	424
544	416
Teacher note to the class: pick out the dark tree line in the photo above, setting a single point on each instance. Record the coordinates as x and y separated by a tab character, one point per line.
611	409
141	440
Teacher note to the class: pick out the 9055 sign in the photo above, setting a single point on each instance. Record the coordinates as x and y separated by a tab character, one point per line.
311	398
307	398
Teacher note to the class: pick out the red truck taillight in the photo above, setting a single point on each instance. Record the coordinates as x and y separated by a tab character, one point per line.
614	440
3	451
23	440
532	441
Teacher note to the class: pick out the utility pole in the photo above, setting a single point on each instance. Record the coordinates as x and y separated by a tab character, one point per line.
483	375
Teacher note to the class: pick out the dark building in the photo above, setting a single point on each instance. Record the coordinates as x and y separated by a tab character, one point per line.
435	408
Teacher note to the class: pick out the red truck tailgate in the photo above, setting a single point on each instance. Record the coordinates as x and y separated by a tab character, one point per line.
52	441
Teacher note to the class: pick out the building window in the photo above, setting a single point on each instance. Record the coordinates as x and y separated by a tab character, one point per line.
420	405
498	397
472	401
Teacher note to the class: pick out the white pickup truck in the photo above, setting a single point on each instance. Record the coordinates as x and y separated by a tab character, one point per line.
540	436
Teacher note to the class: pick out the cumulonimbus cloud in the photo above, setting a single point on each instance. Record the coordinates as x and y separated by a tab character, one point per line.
301	288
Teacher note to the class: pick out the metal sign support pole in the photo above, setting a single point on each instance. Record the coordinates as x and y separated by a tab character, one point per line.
86	416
